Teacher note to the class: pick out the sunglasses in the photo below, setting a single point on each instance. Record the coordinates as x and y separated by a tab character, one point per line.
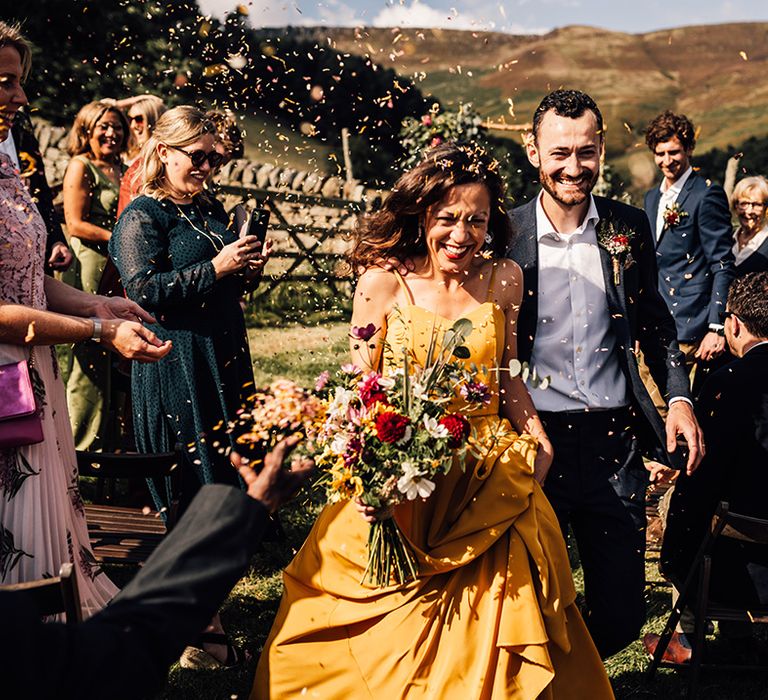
139	118
214	158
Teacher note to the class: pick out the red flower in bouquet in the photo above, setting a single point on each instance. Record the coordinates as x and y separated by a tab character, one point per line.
391	427
371	391
458	427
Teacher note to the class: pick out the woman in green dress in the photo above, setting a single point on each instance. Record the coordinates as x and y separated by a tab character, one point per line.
176	255
98	138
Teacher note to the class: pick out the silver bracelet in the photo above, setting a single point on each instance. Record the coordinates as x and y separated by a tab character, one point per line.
96	335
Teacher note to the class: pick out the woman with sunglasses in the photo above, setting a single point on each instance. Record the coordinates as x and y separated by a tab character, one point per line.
97	140
175	253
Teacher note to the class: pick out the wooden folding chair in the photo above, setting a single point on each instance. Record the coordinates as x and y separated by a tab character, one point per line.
122	534
694	594
52	596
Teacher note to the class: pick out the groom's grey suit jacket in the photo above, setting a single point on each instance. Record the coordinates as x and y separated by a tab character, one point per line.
638	313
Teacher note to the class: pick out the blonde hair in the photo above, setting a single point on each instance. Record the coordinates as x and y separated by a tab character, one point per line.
151	109
178	127
85	122
10	35
757	183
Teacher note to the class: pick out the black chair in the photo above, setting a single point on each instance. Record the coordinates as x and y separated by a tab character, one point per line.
695	592
54	595
121	534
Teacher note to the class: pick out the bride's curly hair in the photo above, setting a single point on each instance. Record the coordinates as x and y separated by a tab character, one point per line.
392	232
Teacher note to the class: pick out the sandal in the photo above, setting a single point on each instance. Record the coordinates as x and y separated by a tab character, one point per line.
195	657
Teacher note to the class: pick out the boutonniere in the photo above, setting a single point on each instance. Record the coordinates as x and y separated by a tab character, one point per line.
673	215
616	237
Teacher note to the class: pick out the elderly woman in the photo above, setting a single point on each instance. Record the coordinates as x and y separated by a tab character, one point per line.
493	607
750	247
42	522
176	255
98	139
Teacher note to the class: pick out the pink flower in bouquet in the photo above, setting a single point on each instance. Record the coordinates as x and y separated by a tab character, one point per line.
476	392
351	369
322	380
458	427
426	120
371	390
435	141
364	333
391	427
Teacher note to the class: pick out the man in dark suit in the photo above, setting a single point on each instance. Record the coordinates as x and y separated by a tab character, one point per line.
590	294
23	144
125	650
733	411
693	238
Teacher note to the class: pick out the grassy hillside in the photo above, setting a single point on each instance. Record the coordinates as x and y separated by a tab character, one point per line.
713	73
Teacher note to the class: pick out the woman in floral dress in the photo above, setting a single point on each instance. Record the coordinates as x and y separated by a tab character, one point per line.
42	524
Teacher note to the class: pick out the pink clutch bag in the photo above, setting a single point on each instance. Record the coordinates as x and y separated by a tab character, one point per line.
20	422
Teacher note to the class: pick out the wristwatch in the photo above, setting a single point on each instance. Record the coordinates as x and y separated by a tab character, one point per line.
96	335
720	331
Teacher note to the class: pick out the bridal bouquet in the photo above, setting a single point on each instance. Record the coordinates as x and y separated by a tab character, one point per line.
385	437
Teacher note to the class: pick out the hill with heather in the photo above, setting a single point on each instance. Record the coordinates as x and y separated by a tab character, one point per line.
713	73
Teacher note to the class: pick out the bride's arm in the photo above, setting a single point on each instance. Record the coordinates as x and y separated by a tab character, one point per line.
516	404
374	297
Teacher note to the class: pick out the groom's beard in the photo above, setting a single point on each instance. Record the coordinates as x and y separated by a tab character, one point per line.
570	196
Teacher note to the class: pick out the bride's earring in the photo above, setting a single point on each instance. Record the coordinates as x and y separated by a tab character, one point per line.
488	238
419	233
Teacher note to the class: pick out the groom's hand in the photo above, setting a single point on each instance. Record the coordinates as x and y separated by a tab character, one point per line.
682	421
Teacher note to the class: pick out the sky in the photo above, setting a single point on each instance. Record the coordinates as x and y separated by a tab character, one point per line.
514	16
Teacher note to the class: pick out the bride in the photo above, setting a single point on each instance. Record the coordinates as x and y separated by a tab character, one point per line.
491	614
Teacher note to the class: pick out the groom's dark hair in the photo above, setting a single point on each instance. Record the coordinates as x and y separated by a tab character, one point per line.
566	103
748	299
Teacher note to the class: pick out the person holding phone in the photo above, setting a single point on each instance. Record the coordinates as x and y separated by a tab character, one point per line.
175	252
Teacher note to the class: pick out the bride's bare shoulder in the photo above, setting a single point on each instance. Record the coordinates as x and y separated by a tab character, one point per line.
376	284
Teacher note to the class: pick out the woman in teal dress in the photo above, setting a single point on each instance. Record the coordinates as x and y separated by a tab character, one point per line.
98	138
175	253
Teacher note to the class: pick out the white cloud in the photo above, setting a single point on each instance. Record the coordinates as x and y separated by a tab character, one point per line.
419	14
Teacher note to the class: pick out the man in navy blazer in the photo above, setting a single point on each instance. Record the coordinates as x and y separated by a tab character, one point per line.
590	295
693	237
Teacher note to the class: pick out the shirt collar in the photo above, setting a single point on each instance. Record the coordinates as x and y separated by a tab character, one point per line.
544	226
677	185
756	345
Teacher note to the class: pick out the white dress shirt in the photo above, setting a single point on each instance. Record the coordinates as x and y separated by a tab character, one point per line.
754	243
668	196
574	345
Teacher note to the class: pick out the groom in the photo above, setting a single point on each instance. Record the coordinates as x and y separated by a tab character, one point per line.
591	294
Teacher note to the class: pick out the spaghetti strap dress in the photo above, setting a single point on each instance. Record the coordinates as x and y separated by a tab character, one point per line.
491	614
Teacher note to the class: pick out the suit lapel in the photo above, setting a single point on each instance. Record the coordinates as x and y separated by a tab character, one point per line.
654	197
680	201
615	304
524	250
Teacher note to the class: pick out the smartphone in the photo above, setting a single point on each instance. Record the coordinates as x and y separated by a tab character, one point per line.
258	223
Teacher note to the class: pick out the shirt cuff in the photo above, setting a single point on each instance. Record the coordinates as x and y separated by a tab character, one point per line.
716	327
675	399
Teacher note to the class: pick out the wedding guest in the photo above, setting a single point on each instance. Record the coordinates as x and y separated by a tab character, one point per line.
97	140
693	238
229	136
143	111
732	411
492	610
750	246
591	293
42	522
22	148
177	258
125	650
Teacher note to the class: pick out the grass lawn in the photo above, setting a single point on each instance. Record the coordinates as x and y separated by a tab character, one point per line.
301	353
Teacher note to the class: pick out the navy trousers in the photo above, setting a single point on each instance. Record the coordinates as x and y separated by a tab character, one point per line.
596	486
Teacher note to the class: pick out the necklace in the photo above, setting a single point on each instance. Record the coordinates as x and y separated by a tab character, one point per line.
211	236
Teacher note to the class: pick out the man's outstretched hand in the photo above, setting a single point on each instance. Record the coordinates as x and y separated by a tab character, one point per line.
274	485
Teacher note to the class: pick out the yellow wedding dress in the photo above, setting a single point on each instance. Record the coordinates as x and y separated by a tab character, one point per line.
491	615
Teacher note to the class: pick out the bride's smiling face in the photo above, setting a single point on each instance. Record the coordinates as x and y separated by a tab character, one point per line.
455	227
